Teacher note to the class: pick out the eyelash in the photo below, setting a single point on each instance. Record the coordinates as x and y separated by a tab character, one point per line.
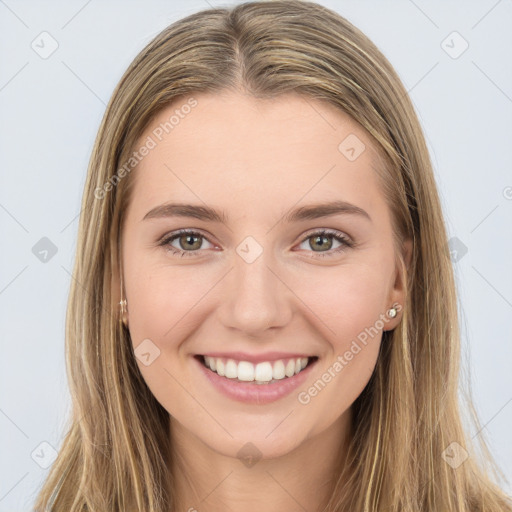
345	242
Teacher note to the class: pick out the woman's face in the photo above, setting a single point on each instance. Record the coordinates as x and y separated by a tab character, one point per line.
256	280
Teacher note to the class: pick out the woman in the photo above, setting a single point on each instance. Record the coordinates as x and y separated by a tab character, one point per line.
263	314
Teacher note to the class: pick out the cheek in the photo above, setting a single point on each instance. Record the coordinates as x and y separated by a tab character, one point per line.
349	307
346	299
164	305
164	301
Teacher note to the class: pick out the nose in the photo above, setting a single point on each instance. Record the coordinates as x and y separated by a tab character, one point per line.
255	297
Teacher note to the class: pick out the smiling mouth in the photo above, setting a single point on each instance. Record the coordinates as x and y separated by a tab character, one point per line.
265	372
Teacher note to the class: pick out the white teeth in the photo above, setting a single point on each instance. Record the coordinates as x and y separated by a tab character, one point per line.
262	373
245	371
211	362
278	370
231	369
290	368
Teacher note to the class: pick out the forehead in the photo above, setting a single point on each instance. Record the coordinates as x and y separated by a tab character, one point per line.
254	153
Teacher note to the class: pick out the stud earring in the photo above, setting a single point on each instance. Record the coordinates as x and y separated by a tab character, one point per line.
392	312
124	311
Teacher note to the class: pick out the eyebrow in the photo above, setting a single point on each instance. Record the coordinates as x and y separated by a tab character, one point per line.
308	212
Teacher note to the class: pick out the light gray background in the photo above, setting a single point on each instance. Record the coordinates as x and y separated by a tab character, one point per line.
50	112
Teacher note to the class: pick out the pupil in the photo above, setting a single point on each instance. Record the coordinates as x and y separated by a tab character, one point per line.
318	240
190	240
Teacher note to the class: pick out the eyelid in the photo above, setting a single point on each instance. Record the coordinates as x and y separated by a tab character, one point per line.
327	231
182	231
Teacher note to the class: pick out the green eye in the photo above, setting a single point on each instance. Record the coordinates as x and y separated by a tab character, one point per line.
189	242
323	240
320	242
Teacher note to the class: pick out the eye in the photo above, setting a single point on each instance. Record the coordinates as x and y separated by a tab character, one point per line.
323	240
189	242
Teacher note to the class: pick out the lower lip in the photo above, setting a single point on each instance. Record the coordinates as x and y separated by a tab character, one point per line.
252	393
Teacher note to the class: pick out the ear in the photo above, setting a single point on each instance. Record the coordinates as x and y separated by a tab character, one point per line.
398	292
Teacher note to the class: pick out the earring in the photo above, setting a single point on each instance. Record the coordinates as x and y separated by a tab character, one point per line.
392	312
124	311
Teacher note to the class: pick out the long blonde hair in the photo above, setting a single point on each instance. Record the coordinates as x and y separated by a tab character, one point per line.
114	456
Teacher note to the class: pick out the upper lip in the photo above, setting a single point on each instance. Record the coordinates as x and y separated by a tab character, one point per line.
256	358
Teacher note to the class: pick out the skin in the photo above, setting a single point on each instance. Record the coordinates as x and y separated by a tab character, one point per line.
257	160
